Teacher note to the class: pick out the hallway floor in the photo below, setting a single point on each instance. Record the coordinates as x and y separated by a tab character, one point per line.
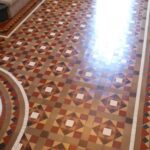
79	64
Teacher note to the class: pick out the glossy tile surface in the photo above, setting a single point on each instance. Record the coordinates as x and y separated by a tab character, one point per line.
79	63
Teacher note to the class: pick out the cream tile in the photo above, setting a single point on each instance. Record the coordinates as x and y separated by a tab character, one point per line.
68	51
32	64
34	115
43	47
52	34
82	25
80	96
6	58
69	123
76	37
59	69
88	74
119	80
48	89
48	10
19	43
113	103
60	22
68	13
30	30
40	19
107	131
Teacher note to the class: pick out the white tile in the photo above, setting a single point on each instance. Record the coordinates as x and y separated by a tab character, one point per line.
68	13
52	34
68	51
124	61
30	30
55	2
31	64
74	4
113	103
43	47
69	123
82	25
6	58
107	131
48	89
80	96
88	74
119	80
19	43
34	115
88	15
59	69
76	37
40	19
60	22
48	10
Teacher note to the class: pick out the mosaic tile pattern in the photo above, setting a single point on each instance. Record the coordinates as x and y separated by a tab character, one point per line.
78	99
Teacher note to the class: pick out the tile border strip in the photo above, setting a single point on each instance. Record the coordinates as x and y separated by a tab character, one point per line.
8	36
16	144
139	87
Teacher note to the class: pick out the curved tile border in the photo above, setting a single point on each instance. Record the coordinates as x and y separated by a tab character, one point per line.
24	124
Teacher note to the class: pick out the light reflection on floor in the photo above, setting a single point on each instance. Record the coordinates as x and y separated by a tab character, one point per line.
111	27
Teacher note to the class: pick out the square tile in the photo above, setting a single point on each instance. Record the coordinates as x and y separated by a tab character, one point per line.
52	34
43	47
68	51
40	19
119	80
48	10
60	22
88	74
6	58
69	123
32	64
113	103
34	115
19	43
80	96
48	89
68	13
59	69
30	30
82	25
107	131
76	37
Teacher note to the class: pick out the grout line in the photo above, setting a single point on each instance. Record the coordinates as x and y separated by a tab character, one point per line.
26	109
139	87
8	36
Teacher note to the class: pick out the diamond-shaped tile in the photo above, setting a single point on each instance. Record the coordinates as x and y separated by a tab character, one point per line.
19	43
6	58
80	96
74	4
59	69
82	25
69	123
48	10
43	47
60	22
48	89
68	51
107	131
40	19
88	74
30	30
34	115
52	34
113	103
76	37
31	63
68	13
119	80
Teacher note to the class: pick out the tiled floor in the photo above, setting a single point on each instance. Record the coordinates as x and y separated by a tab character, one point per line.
79	63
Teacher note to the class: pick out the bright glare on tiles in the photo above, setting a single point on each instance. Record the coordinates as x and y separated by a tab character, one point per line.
88	74
31	64
124	61
80	96
107	131
6	58
119	80
113	103
69	123
19	43
59	69
68	51
52	34
43	47
48	89
34	115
